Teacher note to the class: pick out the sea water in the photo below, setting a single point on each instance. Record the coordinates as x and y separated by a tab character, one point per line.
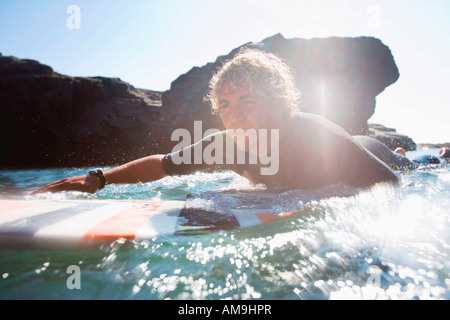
382	243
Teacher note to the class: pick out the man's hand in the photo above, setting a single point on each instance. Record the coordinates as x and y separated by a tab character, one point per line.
141	170
85	183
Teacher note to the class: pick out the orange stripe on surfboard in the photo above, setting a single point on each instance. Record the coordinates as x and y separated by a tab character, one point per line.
125	224
270	217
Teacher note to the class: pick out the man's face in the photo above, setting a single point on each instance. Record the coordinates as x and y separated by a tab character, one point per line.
241	109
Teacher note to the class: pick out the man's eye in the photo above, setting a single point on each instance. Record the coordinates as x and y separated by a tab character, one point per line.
223	104
249	102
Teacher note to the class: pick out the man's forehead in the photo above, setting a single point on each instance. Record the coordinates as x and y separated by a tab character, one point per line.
235	90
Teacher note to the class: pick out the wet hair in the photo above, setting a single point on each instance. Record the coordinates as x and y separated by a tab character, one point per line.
444	153
266	76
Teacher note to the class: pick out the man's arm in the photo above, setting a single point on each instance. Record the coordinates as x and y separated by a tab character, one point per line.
141	170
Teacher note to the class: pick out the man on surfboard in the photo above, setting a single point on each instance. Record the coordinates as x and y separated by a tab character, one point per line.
255	91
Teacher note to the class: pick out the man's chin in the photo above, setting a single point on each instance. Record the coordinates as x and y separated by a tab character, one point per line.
243	140
245	145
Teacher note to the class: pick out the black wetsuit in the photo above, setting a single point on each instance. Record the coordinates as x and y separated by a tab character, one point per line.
393	160
313	153
426	159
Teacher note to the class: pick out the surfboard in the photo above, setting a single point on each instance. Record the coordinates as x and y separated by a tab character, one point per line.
64	224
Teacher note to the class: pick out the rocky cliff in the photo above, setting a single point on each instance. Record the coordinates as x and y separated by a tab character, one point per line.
391	137
49	119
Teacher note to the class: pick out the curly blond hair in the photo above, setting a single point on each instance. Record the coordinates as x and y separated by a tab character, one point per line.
266	75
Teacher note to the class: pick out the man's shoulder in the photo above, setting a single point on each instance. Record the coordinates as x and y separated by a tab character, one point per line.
315	123
214	133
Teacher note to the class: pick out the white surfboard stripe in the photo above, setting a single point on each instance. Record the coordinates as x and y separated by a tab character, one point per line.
163	221
39	208
73	229
247	217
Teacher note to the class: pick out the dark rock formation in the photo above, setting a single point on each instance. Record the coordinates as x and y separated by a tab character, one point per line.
339	78
433	145
391	138
48	119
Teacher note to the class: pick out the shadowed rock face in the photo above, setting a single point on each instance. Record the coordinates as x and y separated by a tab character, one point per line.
391	138
49	119
339	79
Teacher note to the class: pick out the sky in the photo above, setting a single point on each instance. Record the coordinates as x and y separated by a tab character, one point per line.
149	43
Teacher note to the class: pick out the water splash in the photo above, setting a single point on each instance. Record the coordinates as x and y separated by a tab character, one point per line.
380	243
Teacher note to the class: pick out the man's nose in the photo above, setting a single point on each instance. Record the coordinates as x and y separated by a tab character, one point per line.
238	114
